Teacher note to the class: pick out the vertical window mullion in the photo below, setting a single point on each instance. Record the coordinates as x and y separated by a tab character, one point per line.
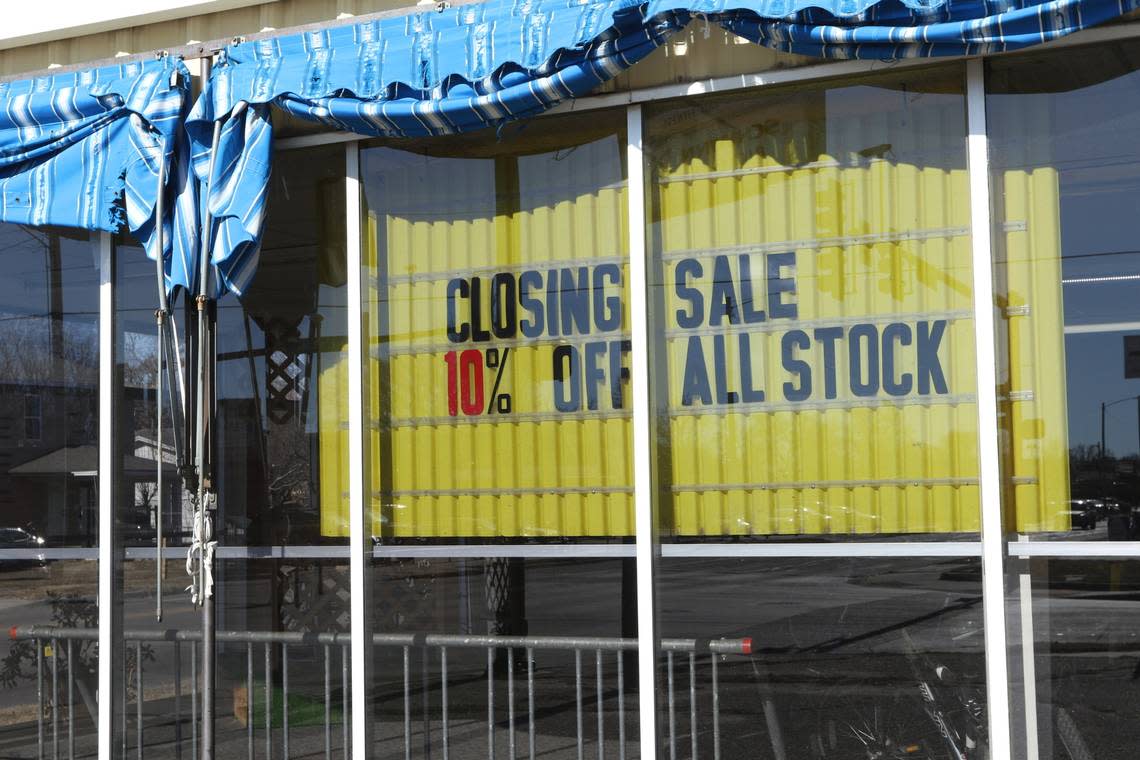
108	598
645	523
359	523
989	472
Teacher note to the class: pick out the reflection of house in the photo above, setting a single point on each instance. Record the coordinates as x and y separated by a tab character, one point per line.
139	470
49	464
48	459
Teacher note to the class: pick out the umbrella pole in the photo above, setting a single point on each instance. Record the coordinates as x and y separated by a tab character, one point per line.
205	528
160	317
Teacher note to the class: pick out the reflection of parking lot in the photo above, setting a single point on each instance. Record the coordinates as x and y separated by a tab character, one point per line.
830	655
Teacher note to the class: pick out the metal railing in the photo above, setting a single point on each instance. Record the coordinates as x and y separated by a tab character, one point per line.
434	648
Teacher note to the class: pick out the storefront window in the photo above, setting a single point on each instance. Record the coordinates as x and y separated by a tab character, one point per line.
1074	648
839	658
812	338
49	429
1067	275
281	569
499	449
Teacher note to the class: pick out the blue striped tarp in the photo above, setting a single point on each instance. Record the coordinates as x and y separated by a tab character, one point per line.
478	65
82	149
466	68
895	29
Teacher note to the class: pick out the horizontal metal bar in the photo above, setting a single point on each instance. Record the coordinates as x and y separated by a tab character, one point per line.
1100	280
568	643
528	551
147	553
816	485
814	244
179	634
781	325
513	418
43	555
442	347
838	549
302	551
283	552
751	171
439	275
538	491
803	406
1103	327
1063	549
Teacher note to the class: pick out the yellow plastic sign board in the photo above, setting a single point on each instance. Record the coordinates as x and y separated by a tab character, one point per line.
812	335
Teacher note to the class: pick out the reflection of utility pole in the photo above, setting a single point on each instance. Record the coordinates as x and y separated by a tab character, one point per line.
1103	456
55	305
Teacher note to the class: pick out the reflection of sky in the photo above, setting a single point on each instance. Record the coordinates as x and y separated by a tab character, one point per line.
26	280
1095	367
1089	136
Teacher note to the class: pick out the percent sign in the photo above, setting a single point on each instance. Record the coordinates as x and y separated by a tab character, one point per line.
465	372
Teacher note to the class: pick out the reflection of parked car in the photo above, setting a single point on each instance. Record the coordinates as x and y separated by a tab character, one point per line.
18	538
1083	513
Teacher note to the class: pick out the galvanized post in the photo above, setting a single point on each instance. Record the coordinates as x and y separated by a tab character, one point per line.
530	700
693	704
443	699
268	701
55	699
511	703
670	692
601	713
177	700
328	705
138	700
39	699
285	701
204	528
249	700
490	704
70	705
578	697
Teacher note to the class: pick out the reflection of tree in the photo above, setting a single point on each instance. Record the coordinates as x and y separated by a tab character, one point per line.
72	611
290	483
26	357
1104	475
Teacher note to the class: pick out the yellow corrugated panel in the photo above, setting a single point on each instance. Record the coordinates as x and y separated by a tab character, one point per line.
1034	420
875	241
332	440
534	471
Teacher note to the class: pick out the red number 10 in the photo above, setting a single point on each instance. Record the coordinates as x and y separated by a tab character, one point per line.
465	382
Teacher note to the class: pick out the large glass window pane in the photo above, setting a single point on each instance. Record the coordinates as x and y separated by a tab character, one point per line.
811	339
830	658
1066	177
281	569
499	459
49	429
1075	687
811	333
